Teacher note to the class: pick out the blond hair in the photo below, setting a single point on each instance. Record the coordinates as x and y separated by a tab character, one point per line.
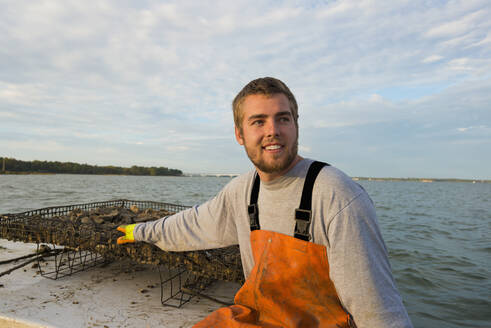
267	86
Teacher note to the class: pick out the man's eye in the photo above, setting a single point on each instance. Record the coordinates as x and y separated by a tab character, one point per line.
284	119
258	122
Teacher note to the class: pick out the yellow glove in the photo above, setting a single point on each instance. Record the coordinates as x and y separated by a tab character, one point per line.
128	234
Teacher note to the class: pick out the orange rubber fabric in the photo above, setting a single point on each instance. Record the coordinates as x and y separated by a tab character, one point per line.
289	286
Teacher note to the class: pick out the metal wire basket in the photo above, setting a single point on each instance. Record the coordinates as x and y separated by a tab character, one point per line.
49	225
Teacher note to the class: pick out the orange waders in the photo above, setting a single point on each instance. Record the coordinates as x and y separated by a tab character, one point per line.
289	285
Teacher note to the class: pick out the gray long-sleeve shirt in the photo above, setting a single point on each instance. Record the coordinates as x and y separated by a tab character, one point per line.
344	221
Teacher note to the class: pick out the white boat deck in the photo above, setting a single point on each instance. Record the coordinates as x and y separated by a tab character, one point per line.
109	296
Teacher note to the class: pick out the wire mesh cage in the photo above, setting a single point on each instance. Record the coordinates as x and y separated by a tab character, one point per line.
87	232
67	261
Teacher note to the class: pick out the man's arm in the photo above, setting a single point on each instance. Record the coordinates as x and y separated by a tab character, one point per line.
360	269
207	226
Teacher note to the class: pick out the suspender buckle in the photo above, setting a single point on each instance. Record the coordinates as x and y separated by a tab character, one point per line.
302	217
253	216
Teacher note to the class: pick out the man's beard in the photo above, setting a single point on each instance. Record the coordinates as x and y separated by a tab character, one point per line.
277	166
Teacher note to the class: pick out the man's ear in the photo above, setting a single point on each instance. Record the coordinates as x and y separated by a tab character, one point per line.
238	136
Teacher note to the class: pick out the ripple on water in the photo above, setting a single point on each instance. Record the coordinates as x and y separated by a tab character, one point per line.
8	187
486	249
417	214
456	262
382	208
413	276
466	311
399	253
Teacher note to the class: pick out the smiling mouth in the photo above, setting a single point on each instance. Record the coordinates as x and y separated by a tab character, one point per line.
273	147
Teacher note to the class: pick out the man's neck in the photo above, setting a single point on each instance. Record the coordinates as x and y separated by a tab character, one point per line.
267	177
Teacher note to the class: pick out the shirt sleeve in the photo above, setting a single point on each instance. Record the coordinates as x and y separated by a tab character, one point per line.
360	269
206	226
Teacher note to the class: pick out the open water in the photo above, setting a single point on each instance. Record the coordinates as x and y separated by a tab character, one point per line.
438	234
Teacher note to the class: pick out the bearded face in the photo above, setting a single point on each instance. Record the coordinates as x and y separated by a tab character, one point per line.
269	134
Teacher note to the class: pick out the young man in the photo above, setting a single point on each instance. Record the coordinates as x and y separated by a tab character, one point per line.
311	249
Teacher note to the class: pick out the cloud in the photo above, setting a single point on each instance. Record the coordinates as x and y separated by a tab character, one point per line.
432	59
365	110
458	26
483	41
479	128
160	77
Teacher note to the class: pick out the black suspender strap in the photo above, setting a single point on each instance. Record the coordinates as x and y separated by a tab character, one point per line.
252	208
303	214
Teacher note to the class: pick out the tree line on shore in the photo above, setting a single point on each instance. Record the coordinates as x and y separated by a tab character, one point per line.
12	165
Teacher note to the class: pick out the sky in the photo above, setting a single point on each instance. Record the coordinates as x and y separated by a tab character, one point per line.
385	88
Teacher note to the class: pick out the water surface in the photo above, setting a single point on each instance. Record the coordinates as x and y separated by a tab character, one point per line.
438	234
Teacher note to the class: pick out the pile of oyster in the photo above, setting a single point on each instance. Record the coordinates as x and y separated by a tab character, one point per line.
95	230
108	217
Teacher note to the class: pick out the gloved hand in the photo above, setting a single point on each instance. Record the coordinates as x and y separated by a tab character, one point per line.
127	229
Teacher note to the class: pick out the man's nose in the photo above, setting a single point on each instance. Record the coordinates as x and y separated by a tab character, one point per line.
272	128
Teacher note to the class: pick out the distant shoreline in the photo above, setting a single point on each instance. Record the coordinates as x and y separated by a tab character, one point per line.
52	173
14	166
423	180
